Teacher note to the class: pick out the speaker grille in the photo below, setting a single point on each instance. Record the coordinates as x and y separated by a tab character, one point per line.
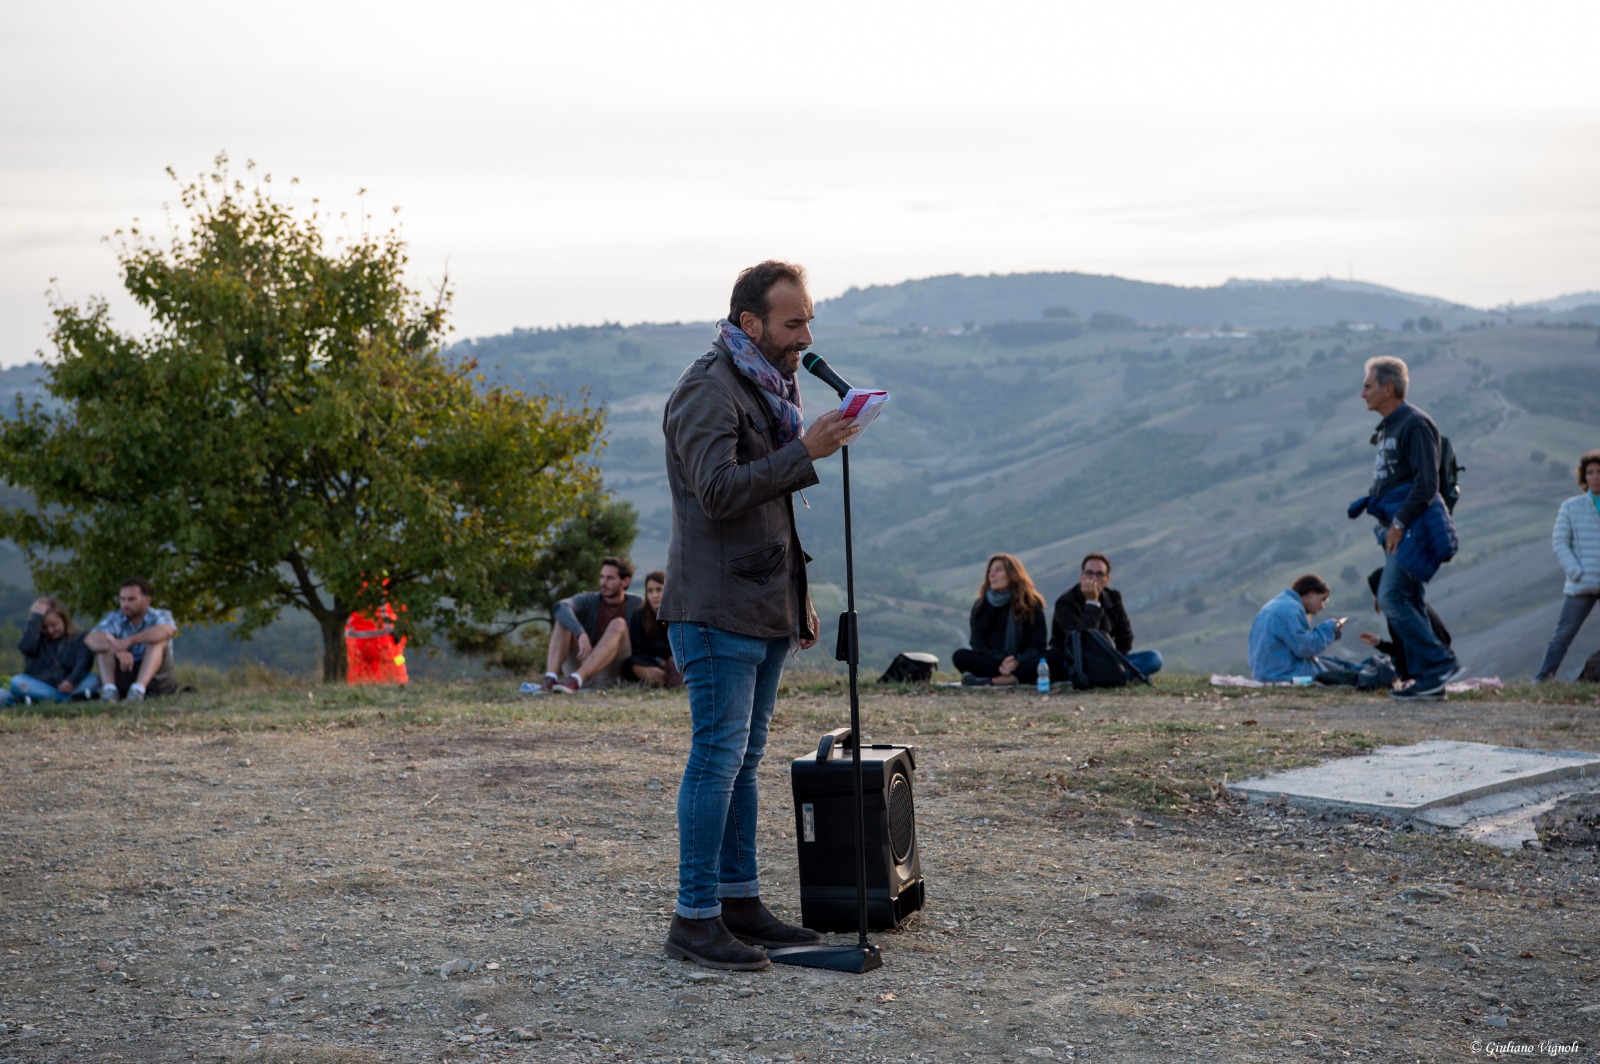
902	817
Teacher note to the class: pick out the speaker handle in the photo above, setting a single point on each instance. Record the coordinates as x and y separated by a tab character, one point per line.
840	737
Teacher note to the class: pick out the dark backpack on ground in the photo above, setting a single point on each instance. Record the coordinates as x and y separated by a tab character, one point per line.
911	667
1374	674
1093	660
1591	668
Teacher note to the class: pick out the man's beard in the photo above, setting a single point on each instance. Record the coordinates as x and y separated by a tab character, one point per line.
783	359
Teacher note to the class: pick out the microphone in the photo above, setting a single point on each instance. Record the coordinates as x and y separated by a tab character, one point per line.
819	368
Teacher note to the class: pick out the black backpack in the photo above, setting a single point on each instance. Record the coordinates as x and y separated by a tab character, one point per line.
1374	674
1591	668
910	667
1093	660
1449	474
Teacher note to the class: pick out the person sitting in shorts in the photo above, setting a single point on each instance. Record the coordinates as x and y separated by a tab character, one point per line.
589	641
132	646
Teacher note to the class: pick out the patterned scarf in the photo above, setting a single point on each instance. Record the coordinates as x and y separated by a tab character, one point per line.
782	393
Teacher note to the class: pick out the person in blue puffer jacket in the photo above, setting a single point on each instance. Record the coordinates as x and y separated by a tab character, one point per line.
1576	541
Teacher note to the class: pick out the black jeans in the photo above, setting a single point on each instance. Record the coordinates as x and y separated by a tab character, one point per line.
987	663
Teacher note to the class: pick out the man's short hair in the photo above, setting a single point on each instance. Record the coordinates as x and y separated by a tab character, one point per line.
1589	458
1386	369
623	567
139	582
750	291
1310	584
1095	555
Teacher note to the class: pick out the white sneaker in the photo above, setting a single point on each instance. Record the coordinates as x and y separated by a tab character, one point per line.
136	693
108	693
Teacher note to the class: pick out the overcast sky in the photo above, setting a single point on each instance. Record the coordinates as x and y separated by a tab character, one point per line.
578	163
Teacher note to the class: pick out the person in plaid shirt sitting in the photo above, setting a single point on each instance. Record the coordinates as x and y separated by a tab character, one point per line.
132	646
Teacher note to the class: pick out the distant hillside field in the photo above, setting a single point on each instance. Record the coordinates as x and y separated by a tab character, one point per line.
1213	469
1211	455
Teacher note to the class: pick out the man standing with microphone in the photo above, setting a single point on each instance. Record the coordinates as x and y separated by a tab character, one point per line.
736	601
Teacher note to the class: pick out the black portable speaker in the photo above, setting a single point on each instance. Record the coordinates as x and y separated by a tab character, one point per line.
825	827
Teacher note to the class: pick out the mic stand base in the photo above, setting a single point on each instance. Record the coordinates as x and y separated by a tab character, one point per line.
861	957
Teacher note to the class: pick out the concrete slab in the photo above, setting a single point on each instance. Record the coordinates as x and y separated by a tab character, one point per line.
1490	793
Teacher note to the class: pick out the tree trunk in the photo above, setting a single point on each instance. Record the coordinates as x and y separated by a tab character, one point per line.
335	666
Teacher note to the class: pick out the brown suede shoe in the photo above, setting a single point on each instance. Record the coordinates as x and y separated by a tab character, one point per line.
707	942
752	922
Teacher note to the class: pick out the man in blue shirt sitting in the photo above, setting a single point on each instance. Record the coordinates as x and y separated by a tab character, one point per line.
132	646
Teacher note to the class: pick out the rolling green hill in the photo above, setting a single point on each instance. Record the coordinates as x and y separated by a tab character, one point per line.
1033	414
941	301
1214	470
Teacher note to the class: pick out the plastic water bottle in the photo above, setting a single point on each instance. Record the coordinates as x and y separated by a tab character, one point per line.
1044	677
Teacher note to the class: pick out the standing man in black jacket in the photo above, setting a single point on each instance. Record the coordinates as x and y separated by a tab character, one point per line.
1408	455
736	601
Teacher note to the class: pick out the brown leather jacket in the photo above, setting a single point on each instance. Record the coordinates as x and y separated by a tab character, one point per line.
735	560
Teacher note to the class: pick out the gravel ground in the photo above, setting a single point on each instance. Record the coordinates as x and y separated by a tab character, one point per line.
499	886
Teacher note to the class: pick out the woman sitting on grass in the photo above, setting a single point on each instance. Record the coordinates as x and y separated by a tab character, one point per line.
651	663
57	666
1007	628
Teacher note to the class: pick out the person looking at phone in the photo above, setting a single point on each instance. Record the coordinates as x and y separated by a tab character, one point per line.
1283	642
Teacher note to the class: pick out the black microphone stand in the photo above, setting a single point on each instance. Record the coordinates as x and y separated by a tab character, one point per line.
863	956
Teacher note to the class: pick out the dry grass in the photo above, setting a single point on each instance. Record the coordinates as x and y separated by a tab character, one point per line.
1093	890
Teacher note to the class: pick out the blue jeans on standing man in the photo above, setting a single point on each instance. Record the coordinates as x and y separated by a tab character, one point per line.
732	681
1400	598
1574	611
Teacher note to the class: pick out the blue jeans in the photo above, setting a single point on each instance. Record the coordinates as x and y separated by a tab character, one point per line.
24	686
733	685
1400	598
1146	661
1574	611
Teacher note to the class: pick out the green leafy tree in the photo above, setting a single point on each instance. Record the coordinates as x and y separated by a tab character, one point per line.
287	434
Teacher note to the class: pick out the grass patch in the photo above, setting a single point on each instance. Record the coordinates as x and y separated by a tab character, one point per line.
1171	770
1169	751
1555	693
1183	768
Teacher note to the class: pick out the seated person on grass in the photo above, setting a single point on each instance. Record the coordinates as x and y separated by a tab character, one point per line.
1283	643
651	663
56	665
1006	628
589	641
1090	604
132	646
